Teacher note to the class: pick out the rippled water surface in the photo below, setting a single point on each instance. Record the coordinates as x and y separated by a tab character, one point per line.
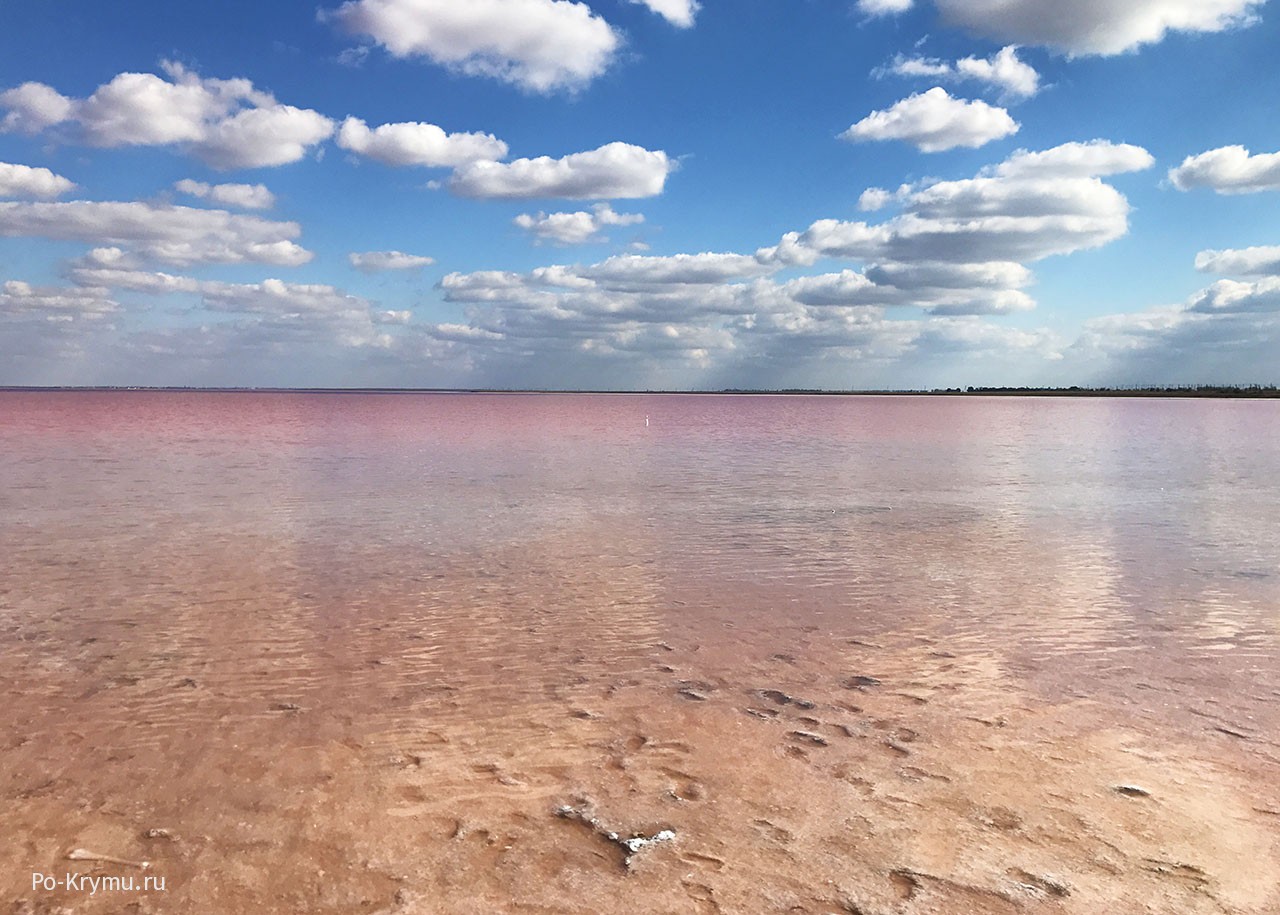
177	570
1083	524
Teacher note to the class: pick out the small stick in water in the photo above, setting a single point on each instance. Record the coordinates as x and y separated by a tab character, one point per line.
81	854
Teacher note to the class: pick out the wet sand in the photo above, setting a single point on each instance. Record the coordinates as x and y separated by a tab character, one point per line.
835	774
350	718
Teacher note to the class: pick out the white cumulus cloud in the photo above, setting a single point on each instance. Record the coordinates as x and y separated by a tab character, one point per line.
616	170
539	45
683	269
717	311
1031	206
1092	159
958	251
26	181
143	109
1004	70
376	261
933	121
299	311
169	234
225	123
243	196
1229	170
884	7
1094	26
575	228
1236	297
875	198
263	137
677	12
32	107
272	296
22	300
1259	261
416	143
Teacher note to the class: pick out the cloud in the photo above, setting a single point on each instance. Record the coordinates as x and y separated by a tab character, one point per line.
25	181
703	320
1002	275
462	333
32	107
353	57
877	198
376	261
270	296
616	170
1029	207
143	109
884	7
575	228
1229	170
112	268
225	123
957	253
539	45
641	270
418	144
1082	27
106	269
297	311
827	238
934	121
276	297
973	290
1229	331
964	202
1227	345
677	12
1234	296
1261	261
1092	159
19	300
915	295
168	234
712	320
244	196
943	289
1003	70
266	332
263	137
42	328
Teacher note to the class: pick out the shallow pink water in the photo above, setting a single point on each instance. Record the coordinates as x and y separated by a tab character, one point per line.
176	566
1134	519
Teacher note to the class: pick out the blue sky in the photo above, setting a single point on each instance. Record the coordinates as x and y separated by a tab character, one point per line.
640	193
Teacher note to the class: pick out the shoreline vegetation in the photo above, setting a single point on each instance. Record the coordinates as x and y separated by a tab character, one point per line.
1253	391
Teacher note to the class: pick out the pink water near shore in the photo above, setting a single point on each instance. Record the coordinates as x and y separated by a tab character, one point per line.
387	637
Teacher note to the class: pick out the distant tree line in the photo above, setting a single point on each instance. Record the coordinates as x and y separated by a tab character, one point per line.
1136	390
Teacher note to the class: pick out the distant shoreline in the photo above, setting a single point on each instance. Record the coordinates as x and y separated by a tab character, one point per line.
1251	392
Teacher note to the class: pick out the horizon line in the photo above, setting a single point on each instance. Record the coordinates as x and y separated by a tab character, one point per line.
1182	390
